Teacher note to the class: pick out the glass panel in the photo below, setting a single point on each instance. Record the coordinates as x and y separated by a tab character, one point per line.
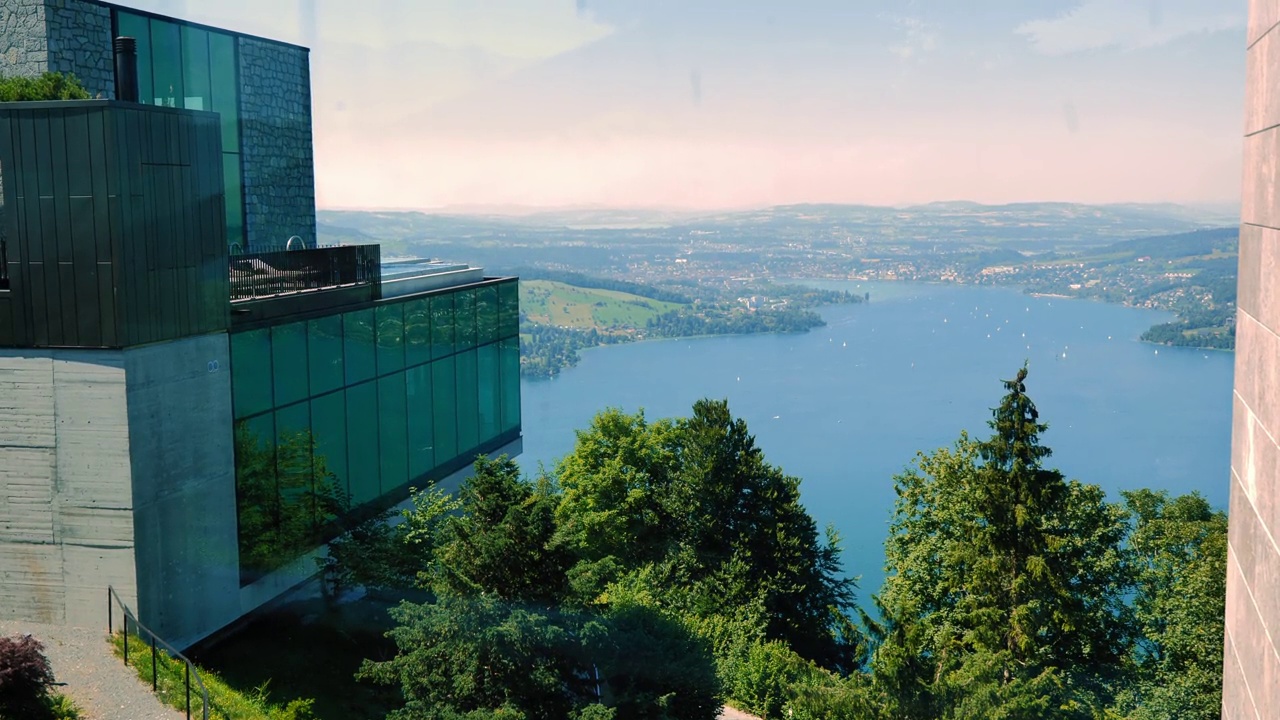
510	360
296	533
223	89
234	202
486	314
289	362
257	501
329	427
357	333
417	331
393	442
442	325
362	442
166	68
508	309
446	409
195	69
139	28
422	457
468	402
251	372
324	353
465	318
390	338
489	390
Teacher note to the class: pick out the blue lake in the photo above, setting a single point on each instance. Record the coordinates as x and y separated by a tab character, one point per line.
847	406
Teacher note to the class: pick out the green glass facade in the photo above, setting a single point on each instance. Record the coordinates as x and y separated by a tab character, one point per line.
343	412
183	66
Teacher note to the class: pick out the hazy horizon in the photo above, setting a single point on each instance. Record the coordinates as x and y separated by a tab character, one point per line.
721	105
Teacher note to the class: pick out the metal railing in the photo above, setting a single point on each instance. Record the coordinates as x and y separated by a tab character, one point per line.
190	670
4	264
268	273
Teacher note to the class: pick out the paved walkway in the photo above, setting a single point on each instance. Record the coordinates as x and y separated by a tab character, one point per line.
729	713
92	675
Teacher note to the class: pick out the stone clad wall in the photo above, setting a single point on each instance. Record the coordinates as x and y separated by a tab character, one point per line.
24	43
67	36
1251	673
79	42
275	140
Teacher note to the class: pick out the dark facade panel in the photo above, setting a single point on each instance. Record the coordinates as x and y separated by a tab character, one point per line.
115	223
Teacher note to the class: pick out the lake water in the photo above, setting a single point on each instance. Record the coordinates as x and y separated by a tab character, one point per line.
847	406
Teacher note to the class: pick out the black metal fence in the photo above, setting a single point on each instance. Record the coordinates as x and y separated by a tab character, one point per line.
4	264
153	642
268	273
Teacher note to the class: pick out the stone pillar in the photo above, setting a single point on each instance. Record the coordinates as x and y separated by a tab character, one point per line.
1251	673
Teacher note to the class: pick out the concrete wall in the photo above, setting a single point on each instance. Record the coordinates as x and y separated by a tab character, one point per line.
179	396
1251	676
66	506
275	141
65	36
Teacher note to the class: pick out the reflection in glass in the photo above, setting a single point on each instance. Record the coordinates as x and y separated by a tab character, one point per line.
390	338
289	362
417	331
251	372
329	427
486	314
362	442
195	69
446	410
324	353
442	325
419	409
509	351
393	442
508	309
468	402
166	64
357	331
489	388
464	314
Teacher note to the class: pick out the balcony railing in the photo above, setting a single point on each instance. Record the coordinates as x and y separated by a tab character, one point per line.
271	273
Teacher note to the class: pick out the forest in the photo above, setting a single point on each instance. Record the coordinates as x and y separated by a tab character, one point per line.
664	568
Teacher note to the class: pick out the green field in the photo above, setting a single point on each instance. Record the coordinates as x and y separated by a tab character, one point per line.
553	303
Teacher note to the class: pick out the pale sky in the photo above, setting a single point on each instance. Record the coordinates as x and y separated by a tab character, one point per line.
708	104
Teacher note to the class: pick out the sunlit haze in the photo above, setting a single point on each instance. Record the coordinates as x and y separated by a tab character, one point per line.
722	103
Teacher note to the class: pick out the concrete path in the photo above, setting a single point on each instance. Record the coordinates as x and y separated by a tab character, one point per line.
92	676
729	713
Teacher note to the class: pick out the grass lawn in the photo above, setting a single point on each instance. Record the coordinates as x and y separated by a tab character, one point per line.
555	303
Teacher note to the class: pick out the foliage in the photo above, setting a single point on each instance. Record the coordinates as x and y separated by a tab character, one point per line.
1004	587
225	702
47	86
717	526
25	678
1179	546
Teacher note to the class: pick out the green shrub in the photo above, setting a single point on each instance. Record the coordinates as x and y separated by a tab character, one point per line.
225	702
49	86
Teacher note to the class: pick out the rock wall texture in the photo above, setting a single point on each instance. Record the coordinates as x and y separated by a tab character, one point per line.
67	36
275	141
1251	673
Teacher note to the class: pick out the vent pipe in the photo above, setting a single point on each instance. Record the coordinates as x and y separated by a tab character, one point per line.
126	69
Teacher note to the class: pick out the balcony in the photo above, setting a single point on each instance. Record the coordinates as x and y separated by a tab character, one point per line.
267	274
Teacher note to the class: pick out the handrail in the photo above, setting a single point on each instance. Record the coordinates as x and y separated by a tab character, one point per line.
155	639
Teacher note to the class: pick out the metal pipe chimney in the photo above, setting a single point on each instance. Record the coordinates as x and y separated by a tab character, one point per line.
126	69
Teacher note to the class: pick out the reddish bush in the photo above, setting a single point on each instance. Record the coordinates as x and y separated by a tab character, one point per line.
25	677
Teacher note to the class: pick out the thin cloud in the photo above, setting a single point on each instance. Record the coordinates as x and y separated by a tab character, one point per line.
918	38
1129	25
